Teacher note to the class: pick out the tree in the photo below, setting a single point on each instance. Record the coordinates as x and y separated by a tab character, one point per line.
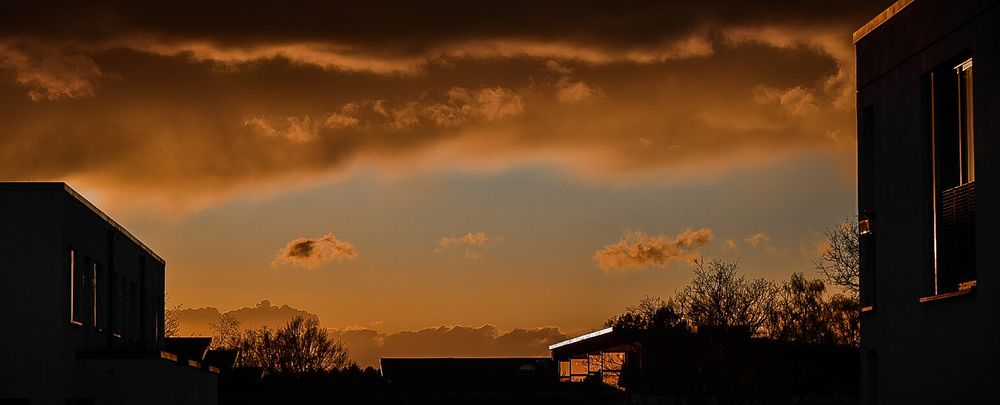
843	315
839	260
171	317
840	264
801	313
652	314
300	347
225	332
720	297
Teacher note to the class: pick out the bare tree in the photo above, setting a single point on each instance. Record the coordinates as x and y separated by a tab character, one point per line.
652	313
720	297
299	347
171	317
839	261
225	332
843	313
801	313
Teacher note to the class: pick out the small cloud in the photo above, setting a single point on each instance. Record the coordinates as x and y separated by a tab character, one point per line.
470	240
576	92
731	246
295	129
638	250
312	253
558	67
796	101
757	239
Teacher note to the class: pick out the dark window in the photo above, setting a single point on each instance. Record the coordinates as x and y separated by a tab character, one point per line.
954	185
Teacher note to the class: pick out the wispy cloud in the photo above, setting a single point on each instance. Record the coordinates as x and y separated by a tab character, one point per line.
757	239
312	253
470	241
637	250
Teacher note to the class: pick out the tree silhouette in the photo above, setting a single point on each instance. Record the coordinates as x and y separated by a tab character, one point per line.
721	297
225	332
840	264
840	259
801	314
171	317
300	347
652	314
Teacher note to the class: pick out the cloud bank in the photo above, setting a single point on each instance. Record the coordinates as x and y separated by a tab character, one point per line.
156	106
367	345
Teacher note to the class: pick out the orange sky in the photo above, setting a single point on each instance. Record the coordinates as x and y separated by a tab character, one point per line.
395	166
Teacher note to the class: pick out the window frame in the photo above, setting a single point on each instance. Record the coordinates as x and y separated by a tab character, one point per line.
952	121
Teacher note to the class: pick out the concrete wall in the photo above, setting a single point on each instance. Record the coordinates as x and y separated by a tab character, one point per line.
943	351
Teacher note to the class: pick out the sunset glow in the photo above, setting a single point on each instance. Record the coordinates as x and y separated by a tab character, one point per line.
436	179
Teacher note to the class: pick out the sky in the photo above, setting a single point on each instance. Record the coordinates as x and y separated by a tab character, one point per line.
398	166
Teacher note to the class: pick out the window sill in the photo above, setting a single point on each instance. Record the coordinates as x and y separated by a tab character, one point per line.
947	295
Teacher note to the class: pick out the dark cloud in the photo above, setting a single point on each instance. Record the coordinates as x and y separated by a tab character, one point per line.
406	26
179	106
312	253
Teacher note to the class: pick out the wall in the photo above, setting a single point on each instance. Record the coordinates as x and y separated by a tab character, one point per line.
941	351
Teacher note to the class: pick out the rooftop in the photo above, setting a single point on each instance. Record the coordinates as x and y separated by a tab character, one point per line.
41	185
881	19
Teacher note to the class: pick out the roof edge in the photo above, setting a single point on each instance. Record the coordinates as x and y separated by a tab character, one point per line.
113	223
881	19
581	338
56	185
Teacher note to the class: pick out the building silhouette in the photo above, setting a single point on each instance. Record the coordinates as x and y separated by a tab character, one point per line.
82	308
713	362
927	199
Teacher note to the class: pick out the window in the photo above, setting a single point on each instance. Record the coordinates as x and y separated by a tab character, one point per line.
75	291
954	177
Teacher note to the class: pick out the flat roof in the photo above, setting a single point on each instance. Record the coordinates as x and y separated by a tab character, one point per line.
881	19
581	338
54	185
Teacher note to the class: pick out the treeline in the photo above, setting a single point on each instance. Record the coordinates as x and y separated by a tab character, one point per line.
299	348
796	310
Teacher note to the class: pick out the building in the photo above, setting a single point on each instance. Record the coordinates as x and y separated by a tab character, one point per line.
482	380
711	363
928	193
82	308
466	371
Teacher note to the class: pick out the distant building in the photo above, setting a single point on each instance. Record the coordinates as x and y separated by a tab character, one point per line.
81	303
482	380
713	363
928	200
466	371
